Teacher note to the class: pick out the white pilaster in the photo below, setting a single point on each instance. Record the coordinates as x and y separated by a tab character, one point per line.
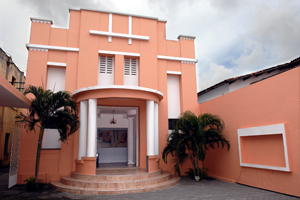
150	128
92	129
156	135
130	141
82	130
130	29
109	25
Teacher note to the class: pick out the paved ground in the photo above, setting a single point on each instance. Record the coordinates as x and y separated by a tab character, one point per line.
186	189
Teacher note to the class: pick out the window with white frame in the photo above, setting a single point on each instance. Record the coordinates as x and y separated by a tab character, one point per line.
106	70
131	72
174	110
56	78
51	139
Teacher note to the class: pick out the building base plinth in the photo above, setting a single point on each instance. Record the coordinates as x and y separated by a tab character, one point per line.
152	163
87	165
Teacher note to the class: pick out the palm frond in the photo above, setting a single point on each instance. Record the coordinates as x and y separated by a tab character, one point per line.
51	110
192	137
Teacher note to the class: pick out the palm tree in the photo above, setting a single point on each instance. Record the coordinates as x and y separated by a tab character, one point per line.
192	138
50	110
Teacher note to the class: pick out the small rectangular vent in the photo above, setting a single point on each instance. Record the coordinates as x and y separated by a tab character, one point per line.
172	123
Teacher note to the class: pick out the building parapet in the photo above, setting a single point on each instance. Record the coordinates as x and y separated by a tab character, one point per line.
186	37
39	20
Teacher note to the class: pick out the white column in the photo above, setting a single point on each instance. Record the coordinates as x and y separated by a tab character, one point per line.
82	130
130	141
156	135
150	128
92	129
137	144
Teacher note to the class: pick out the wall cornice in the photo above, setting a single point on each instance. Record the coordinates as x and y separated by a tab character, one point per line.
45	21
40	47
120	35
183	60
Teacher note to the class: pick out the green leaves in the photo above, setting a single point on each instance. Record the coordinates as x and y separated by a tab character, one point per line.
51	110
192	137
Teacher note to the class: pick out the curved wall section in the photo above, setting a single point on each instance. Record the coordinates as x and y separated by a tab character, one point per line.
117	91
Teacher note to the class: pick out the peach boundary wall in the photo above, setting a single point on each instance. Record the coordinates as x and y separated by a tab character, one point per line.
268	102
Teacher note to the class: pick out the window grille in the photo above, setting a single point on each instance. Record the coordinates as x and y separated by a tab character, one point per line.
131	67
106	65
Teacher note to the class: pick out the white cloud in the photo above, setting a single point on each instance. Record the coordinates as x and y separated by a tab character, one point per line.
233	37
262	35
215	73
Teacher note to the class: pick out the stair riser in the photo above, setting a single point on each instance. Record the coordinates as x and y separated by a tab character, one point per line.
114	192
99	178
119	185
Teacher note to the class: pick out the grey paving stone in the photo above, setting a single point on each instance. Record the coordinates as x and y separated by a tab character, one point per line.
186	189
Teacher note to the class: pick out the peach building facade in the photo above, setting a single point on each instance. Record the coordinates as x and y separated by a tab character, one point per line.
119	67
262	125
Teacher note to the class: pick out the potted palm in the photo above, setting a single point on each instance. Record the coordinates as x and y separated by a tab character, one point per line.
192	138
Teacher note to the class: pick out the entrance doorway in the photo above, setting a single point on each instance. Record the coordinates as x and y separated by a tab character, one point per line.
117	136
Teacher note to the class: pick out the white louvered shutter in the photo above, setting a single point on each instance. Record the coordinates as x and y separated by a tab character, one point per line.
131	72
106	70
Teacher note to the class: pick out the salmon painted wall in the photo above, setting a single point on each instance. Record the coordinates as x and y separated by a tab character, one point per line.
82	71
271	101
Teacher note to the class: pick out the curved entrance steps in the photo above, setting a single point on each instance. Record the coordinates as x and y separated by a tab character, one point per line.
115	181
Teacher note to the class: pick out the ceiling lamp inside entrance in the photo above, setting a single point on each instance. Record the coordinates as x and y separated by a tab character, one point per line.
113	120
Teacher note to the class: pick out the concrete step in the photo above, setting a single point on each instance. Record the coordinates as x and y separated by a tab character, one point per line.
117	175
58	185
119	183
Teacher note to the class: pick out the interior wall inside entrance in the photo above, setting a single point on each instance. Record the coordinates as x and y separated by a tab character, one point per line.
113	139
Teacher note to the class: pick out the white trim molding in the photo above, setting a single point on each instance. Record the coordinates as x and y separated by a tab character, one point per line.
119	13
173	72
162	20
109	26
45	21
121	35
186	37
261	131
183	60
48	47
37	49
129	29
126	87
57	64
119	53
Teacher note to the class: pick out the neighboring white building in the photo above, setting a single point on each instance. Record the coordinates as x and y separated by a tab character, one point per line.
232	84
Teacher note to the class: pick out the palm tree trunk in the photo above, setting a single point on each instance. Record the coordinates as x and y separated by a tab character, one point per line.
202	163
198	167
202	168
38	154
193	161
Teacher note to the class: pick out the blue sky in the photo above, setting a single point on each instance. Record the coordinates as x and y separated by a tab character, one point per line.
233	37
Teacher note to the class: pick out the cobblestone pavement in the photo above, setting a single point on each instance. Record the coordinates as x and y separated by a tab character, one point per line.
186	189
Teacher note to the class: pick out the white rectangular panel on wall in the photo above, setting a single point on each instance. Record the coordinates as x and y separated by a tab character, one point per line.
51	139
112	155
131	72
106	70
56	79
173	97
